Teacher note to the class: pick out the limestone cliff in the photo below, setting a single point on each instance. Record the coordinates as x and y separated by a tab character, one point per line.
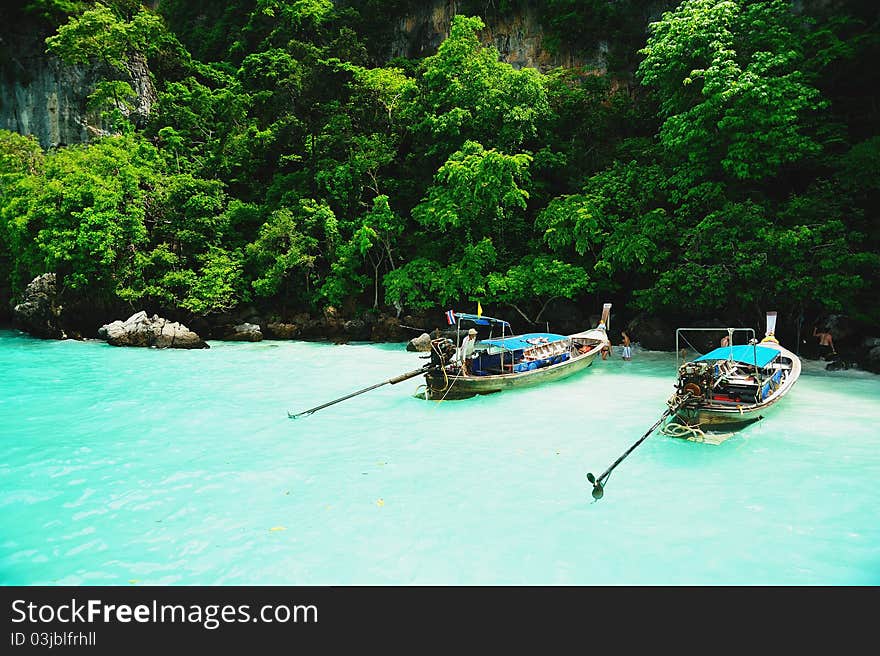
518	36
42	96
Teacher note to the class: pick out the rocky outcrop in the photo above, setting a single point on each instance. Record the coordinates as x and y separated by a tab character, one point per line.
49	101
244	332
651	333
43	96
332	325
519	36
39	313
871	358
142	84
141	330
357	330
282	330
420	344
388	328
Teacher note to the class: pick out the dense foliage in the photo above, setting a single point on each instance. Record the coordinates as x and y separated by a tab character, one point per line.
725	162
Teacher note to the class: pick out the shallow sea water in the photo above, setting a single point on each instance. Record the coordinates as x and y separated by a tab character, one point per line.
122	466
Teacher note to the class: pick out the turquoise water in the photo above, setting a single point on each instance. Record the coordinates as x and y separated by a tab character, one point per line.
137	466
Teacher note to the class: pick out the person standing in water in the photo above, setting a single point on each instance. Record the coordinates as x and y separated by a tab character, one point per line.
826	343
627	348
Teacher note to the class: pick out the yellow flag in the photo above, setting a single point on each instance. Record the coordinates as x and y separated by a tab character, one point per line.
479	309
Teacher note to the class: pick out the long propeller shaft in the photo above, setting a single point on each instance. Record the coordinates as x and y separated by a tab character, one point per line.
390	381
598	488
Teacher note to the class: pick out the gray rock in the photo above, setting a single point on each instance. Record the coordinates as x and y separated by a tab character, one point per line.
244	332
420	344
872	360
357	329
118	328
141	330
39	312
280	330
651	332
387	328
841	327
47	97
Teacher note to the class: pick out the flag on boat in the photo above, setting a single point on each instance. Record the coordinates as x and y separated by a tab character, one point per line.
450	317
479	309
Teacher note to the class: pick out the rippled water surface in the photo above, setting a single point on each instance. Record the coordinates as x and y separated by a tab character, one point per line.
138	466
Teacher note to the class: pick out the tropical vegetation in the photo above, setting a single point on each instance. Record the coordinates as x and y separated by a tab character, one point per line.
723	160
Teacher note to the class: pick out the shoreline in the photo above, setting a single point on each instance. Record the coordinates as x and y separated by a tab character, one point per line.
853	366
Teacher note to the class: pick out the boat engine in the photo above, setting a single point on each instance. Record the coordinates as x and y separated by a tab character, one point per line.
442	351
694	377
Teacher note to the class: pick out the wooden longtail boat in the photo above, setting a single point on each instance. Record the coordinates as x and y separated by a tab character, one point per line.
510	361
731	386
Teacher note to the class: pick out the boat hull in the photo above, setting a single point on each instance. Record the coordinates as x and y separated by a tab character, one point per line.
449	386
707	417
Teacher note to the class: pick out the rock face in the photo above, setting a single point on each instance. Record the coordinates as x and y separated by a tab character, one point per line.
518	36
42	96
50	103
141	330
39	312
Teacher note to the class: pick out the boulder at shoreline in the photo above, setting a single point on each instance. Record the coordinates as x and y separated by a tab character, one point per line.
39	314
244	332
141	330
420	344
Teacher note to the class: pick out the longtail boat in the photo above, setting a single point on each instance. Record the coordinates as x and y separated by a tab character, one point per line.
509	361
731	386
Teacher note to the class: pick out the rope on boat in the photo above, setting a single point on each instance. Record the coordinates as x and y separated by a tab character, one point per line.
694	433
447	387
674	429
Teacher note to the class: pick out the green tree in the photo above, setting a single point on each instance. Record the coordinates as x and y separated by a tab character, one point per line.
732	93
468	94
21	166
293	251
120	43
477	194
424	283
620	225
83	217
537	280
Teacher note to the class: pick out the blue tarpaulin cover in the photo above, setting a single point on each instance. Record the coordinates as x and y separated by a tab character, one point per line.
757	355
520	342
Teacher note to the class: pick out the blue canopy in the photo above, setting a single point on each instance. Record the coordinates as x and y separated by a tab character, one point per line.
760	356
520	342
481	320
